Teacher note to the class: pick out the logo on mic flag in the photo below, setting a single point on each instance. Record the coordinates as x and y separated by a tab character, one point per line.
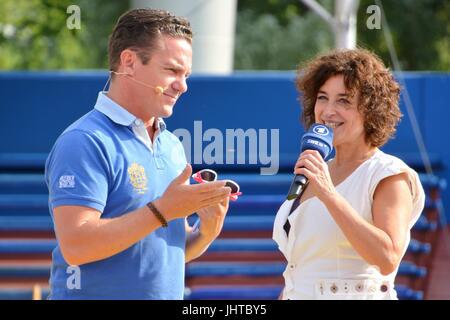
322	130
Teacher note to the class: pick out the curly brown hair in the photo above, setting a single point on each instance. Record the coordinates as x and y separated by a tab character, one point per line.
363	73
138	29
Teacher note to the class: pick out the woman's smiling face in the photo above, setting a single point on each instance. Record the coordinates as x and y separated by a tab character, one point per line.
337	109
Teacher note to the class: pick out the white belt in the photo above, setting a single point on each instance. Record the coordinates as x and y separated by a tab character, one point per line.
354	289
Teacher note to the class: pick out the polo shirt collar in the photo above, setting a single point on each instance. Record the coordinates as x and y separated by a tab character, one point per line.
120	115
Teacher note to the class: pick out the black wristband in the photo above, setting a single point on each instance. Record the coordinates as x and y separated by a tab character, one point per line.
158	214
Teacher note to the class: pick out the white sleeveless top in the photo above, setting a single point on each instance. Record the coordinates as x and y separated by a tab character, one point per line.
321	262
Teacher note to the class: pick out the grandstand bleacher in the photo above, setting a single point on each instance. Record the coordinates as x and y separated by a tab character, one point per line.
243	263
244	254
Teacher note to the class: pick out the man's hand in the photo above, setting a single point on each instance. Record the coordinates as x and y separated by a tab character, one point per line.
181	199
211	223
212	218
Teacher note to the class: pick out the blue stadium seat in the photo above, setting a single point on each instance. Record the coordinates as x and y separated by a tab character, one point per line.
424	225
249	222
406	293
24	204
35	246
223	245
254	183
24	271
205	269
19	162
417	247
257	204
23	183
26	223
233	292
409	269
430	204
430	181
21	294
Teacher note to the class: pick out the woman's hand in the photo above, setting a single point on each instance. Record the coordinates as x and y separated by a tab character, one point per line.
311	165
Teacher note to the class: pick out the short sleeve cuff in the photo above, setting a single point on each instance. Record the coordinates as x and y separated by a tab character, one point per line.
90	203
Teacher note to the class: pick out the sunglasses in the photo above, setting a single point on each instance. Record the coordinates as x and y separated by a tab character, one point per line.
208	175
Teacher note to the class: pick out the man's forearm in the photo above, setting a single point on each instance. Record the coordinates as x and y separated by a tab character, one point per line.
196	245
98	239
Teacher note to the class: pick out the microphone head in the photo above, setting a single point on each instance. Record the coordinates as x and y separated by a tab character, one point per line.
159	90
320	138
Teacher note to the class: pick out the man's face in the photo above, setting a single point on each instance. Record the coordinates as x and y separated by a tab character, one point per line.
169	66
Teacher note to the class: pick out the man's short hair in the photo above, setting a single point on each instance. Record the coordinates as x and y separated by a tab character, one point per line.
138	30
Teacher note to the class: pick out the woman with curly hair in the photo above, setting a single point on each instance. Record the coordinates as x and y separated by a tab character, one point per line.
345	235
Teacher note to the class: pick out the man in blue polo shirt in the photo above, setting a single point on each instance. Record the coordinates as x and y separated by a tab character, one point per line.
118	179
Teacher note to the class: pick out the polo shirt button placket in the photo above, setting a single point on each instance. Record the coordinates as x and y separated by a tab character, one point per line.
157	155
158	161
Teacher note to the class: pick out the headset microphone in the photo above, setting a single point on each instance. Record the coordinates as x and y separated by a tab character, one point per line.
158	89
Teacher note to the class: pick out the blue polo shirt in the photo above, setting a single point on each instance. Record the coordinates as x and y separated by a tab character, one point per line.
106	161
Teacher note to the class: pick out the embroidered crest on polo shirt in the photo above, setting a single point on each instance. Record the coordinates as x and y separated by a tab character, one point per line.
138	178
66	182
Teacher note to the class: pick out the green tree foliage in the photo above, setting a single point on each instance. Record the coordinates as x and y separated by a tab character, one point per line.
34	34
262	42
271	34
420	30
279	34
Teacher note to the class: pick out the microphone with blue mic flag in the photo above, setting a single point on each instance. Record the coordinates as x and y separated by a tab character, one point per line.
320	138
